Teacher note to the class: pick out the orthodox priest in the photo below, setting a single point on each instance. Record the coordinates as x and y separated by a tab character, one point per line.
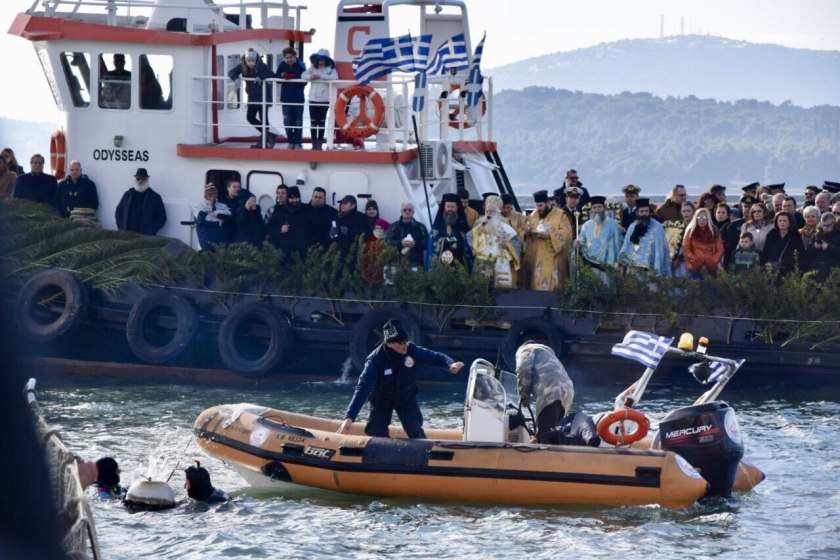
645	247
548	239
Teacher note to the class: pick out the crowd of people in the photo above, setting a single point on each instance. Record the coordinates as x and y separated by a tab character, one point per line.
293	76
537	251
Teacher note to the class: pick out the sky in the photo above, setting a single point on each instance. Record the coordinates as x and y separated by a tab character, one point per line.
535	27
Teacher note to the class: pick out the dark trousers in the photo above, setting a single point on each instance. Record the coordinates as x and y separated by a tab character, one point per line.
257	118
548	420
293	120
408	413
318	120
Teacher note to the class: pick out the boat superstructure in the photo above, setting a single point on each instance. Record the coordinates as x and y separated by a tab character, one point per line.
175	112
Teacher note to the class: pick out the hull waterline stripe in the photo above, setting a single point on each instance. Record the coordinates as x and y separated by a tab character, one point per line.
650	481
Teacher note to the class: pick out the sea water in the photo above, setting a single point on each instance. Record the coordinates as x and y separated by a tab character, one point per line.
794	513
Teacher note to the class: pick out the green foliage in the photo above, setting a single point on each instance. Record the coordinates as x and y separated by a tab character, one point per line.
34	237
796	309
636	137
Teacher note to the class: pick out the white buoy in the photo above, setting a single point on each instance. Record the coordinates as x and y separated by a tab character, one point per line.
150	495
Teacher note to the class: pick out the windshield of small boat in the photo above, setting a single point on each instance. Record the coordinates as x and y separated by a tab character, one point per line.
496	388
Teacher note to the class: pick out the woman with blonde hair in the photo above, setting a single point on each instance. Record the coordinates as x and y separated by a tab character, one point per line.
702	245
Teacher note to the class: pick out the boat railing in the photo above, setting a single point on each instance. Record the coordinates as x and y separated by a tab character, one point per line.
80	540
138	12
442	118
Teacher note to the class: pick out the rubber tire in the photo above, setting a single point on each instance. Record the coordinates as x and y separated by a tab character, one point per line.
280	339
372	322
513	339
186	326
76	301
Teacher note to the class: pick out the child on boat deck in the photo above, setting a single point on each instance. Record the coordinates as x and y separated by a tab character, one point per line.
254	68
745	256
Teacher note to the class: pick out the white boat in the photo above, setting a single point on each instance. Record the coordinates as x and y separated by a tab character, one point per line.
195	131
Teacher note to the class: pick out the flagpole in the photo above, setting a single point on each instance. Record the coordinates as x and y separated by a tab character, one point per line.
425	191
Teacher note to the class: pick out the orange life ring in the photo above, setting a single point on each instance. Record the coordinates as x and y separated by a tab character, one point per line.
619	435
58	154
362	126
453	116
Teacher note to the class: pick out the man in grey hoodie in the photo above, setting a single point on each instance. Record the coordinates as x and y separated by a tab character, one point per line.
540	375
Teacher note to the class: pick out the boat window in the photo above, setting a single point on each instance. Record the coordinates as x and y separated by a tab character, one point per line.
115	81
76	66
220	177
155	81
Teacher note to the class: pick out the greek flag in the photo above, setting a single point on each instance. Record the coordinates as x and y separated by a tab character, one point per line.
418	100
642	347
451	53
380	57
476	79
715	371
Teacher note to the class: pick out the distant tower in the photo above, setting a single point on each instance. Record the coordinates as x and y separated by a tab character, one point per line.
661	26
682	25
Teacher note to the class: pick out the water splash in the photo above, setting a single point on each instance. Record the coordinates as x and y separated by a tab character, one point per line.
346	366
166	454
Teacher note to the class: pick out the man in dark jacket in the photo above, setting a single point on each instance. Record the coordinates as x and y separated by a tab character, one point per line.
75	191
291	96
250	227
295	234
321	216
141	208
276	216
408	235
350	224
823	252
390	379
36	185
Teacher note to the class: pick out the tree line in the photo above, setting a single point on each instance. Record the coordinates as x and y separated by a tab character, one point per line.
654	142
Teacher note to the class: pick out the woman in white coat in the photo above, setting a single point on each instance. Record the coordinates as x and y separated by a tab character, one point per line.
319	74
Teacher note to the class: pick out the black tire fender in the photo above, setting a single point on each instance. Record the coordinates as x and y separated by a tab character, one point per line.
367	333
45	284
531	328
186	326
280	337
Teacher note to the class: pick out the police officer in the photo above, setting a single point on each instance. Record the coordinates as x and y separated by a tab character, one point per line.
389	378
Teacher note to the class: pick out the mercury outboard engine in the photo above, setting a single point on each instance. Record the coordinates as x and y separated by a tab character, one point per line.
708	437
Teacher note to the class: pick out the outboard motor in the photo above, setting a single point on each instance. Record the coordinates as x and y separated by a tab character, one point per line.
708	437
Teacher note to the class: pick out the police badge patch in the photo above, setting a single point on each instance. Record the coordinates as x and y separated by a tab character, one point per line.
409	361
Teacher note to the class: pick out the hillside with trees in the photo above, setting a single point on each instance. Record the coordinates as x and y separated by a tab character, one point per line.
656	142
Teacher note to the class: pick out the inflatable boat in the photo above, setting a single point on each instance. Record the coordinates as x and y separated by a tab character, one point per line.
491	459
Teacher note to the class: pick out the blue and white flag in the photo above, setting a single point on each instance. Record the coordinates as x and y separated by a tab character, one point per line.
714	370
380	57
476	79
642	347
450	54
377	59
418	100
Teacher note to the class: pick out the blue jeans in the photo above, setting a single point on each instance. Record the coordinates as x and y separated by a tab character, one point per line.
408	413
293	121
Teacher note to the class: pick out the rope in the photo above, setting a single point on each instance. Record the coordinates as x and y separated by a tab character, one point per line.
80	540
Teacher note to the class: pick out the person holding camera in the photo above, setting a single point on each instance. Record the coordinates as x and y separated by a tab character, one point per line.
824	250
